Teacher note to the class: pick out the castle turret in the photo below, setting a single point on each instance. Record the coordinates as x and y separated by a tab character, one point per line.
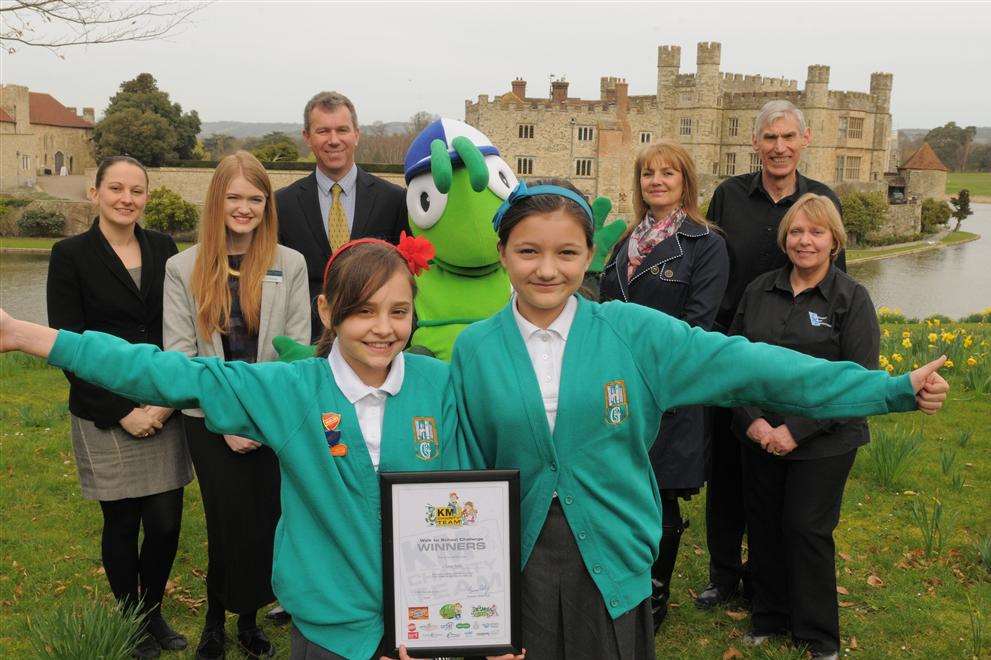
817	86
706	117
881	90
559	91
668	66
519	88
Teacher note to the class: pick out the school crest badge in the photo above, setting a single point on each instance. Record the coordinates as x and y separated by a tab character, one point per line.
617	402
331	421
426	442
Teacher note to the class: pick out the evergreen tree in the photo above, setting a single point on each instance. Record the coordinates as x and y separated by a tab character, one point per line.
961	207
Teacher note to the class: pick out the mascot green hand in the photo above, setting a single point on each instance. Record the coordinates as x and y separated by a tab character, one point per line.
605	236
455	182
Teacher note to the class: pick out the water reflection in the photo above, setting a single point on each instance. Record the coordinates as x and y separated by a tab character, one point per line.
955	281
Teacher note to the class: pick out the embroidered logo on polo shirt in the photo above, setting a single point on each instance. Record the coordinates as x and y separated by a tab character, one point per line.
330	422
426	443
617	403
819	321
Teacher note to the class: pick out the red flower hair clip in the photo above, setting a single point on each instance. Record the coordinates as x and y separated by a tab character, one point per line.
417	251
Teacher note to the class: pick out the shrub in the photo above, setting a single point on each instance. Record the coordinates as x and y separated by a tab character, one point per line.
934	214
167	211
39	222
983	316
863	212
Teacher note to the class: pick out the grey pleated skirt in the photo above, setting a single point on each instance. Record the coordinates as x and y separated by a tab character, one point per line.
563	614
114	465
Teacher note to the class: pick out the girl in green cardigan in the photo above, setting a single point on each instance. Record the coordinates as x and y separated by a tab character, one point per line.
333	420
571	393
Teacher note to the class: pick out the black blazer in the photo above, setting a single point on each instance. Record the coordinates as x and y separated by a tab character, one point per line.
89	289
379	212
684	276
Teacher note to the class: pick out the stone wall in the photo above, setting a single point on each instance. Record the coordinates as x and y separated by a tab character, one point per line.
903	221
925	183
13	149
73	143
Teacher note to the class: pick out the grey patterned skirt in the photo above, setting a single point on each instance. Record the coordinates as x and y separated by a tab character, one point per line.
114	465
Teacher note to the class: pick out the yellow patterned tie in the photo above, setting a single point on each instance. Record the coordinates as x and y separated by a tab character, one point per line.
337	220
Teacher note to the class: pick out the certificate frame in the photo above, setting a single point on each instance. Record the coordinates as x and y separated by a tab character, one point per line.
474	635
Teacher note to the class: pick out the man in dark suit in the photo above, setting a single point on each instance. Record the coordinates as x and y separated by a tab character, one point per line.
339	201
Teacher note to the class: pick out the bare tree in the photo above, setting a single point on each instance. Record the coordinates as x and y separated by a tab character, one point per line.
58	24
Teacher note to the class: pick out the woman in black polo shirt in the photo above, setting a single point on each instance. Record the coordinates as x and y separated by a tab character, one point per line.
795	468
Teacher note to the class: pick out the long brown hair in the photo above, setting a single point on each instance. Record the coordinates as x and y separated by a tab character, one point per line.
672	154
353	278
209	283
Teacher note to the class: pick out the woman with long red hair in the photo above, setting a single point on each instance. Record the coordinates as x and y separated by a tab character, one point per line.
228	296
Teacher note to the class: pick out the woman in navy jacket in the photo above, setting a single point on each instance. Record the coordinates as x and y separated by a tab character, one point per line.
674	261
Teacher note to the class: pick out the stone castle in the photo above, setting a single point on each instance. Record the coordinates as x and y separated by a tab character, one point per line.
592	142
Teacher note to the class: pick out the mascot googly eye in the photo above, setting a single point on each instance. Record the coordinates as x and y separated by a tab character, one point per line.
502	181
424	202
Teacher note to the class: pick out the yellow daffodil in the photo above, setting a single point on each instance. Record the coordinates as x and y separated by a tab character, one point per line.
971	362
886	333
936	322
906	334
883	361
907	343
932	337
897	357
948	337
890	369
948	364
915	365
968	341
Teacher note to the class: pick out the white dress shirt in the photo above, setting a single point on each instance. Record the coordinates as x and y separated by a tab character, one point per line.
546	349
368	402
349	184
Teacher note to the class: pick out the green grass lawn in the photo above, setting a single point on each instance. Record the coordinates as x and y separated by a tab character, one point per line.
896	601
978	183
855	255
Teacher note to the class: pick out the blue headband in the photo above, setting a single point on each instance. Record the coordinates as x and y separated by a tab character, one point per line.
522	192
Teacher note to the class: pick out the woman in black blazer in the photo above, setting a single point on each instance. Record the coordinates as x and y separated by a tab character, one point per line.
673	260
130	457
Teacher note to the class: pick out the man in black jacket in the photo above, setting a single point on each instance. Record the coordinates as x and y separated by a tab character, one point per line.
748	208
339	201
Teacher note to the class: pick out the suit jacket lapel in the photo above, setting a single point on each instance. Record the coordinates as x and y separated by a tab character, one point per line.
364	204
269	292
110	259
149	265
310	205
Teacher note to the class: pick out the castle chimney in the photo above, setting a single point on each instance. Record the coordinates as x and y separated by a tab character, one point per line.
622	97
559	91
72	109
519	88
89	115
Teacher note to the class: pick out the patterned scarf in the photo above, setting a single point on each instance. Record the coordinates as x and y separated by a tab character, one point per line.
648	234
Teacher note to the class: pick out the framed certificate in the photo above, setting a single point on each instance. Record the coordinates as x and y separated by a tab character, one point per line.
451	562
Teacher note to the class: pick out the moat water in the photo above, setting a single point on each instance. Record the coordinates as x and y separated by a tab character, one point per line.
954	281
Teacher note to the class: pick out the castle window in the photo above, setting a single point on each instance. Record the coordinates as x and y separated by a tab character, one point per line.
24	162
645	138
754	162
715	167
524	165
526	131
734	126
583	167
686	126
730	164
855	130
586	133
851	169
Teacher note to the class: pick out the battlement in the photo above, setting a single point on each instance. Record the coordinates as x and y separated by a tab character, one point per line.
756	100
685	80
852	101
880	82
669	56
818	73
740	82
708	53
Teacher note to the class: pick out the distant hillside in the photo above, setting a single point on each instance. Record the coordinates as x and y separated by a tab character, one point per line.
245	129
983	133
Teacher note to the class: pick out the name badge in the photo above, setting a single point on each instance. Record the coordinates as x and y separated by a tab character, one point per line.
273	276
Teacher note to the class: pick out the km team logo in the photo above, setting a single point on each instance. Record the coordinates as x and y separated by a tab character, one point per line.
452	514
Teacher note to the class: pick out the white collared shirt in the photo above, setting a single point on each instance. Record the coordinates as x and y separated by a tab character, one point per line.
348	183
546	349
368	402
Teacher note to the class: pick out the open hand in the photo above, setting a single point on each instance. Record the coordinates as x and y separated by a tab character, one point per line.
240	445
930	388
140	423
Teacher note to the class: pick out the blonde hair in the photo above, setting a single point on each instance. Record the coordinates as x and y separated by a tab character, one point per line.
209	284
821	211
672	154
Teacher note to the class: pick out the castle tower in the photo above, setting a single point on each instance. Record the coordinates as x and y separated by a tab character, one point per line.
817	86
707	116
668	66
881	143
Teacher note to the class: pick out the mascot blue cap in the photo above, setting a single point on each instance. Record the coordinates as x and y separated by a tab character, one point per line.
418	155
